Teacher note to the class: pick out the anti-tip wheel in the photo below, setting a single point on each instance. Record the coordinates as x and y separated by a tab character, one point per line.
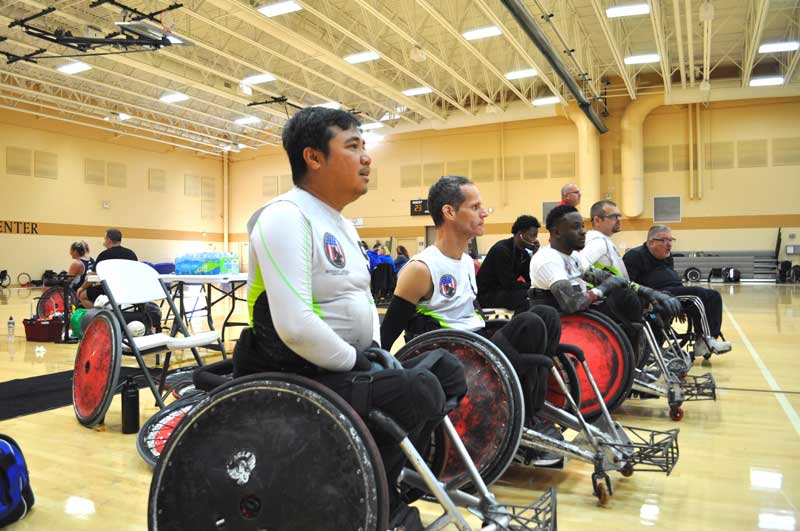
603	496
676	414
626	470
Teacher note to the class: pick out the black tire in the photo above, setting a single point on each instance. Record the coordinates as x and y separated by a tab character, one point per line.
96	370
5	279
692	274
156	431
53	299
318	465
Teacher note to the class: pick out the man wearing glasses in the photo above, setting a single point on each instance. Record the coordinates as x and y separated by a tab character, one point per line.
570	195
600	250
651	264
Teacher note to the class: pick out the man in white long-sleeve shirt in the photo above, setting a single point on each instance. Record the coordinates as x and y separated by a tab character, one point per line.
309	297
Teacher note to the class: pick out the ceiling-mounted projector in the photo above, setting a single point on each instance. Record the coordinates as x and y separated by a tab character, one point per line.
150	31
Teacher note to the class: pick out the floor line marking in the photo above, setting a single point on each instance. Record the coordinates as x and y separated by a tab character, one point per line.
779	395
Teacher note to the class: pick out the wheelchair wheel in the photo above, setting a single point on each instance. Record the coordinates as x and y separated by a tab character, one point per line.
609	356
156	430
5	279
52	300
270	451
489	419
24	280
97	365
566	368
692	274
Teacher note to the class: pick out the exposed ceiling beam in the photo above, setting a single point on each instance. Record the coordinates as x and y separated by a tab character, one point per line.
444	23
622	68
756	20
657	21
676	16
689	39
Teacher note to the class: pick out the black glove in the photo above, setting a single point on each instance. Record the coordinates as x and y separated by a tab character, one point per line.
382	358
362	363
664	304
612	283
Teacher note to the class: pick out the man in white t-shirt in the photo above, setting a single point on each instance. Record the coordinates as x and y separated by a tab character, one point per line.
600	250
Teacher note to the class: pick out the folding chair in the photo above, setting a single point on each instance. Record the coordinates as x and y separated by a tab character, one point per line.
107	338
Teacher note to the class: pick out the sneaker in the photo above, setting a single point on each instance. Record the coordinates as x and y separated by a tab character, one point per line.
701	348
717	345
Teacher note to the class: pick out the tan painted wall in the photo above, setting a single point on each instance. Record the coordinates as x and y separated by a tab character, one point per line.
156	225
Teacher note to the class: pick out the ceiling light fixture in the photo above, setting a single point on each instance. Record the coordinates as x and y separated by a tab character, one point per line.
770	81
417	91
389	116
521	74
548	100
174	97
258	78
642	59
329	105
75	67
247	120
785	46
629	10
362	57
371	125
279	8
482	33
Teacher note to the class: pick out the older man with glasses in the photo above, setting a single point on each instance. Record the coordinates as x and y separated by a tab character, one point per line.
651	264
570	195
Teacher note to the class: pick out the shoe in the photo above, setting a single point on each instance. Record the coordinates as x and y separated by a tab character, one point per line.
405	518
541	458
717	345
701	348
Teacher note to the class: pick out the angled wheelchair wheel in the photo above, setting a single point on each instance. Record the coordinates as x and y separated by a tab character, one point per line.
609	356
96	371
156	431
566	368
52	300
270	451
489	419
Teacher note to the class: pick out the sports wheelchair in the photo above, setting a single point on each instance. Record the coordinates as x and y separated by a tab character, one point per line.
281	451
491	419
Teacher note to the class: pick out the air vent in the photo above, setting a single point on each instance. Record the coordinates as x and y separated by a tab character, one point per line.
432	172
719	155
666	209
482	170
680	157
191	185
94	171
656	159
208	188
562	165
208	209
458	167
786	151
411	176
269	186
117	175
751	153
547	206
156	180
45	165
513	168
286	183
534	167
18	161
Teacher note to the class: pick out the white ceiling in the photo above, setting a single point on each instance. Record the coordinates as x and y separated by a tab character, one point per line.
419	42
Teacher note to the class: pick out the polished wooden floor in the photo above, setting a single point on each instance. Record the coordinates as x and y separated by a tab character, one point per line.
739	466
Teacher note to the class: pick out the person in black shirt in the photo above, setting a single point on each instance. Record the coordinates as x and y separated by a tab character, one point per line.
651	264
88	292
504	276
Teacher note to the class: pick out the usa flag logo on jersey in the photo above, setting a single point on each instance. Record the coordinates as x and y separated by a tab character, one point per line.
333	250
447	286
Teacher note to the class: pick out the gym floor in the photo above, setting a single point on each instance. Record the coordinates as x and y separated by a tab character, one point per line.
739	464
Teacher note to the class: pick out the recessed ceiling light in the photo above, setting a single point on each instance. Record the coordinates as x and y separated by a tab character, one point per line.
75	67
371	125
766	81
642	59
786	46
245	89
520	74
389	116
258	78
247	120
243	146
417	91
482	33
628	10
548	100
279	8
174	97
362	57
329	105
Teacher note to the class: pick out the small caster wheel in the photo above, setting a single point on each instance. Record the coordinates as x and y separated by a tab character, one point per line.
602	495
627	470
676	413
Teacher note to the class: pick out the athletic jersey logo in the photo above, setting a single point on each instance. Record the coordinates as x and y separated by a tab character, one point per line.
447	286
333	250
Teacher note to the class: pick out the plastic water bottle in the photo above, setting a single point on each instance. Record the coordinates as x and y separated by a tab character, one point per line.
130	406
11	327
234	263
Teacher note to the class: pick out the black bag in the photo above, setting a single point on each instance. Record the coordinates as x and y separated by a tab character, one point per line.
16	495
732	274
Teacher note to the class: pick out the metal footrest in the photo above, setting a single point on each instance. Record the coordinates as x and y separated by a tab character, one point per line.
649	450
702	387
539	516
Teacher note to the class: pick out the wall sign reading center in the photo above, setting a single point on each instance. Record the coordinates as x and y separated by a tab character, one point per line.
419	207
19	227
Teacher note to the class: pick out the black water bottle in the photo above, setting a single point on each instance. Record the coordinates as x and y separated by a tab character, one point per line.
130	406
